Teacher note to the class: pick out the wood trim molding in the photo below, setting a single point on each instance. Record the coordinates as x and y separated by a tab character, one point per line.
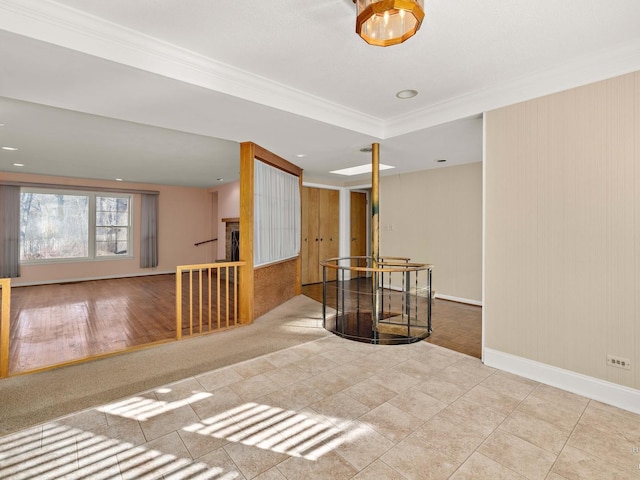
299	266
275	161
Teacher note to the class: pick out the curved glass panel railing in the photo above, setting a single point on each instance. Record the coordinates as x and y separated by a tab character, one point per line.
385	302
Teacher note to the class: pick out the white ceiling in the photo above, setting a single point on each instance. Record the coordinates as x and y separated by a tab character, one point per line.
161	91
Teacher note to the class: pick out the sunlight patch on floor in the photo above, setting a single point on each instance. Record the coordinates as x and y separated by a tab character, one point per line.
58	451
141	408
271	428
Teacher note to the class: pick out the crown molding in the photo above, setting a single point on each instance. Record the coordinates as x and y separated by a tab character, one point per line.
581	71
66	27
51	22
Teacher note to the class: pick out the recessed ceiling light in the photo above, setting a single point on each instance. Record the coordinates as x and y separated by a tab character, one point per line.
118	180
11	149
220	179
441	160
300	155
359	169
1	124
403	94
18	164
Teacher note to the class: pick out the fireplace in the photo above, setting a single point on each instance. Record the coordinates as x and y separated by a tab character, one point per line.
235	245
232	239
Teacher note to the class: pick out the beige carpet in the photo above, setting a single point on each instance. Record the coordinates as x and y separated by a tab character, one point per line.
36	398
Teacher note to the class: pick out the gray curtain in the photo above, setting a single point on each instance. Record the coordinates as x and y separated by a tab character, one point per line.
149	231
10	233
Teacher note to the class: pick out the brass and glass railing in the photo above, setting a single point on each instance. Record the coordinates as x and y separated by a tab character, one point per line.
385	301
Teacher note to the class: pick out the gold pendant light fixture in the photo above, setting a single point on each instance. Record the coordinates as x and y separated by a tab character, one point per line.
388	22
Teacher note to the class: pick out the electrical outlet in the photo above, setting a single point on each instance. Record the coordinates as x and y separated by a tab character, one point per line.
614	361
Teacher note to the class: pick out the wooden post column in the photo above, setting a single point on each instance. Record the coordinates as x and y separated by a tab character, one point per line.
375	230
246	280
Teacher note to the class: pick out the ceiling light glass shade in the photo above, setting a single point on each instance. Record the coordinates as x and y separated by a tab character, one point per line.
388	22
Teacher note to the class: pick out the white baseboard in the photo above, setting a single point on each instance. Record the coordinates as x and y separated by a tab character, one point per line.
459	299
88	279
439	295
590	387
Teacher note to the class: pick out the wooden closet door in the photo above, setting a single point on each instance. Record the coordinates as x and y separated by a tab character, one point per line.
329	228
310	239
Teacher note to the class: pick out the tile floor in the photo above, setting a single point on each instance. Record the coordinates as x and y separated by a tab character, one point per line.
335	409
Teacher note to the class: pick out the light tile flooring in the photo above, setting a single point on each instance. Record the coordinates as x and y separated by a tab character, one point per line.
335	409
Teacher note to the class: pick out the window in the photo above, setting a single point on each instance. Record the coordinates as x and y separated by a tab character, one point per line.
276	227
63	225
112	226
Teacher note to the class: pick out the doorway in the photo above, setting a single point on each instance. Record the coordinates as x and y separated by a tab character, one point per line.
358	222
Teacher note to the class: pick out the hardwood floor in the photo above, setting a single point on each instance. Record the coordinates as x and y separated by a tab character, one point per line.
52	324
60	323
456	326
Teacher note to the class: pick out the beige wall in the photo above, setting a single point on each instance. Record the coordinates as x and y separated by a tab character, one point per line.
435	216
562	253
185	218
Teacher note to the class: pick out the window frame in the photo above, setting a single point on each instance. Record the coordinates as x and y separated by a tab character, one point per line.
91	227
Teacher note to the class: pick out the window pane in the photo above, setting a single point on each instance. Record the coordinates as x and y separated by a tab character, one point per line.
112	241
112	211
116	219
53	226
112	226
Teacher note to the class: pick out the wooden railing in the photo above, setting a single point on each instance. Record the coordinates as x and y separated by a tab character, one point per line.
206	301
206	298
205	241
5	288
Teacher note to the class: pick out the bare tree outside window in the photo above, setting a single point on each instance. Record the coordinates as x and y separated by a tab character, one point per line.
53	226
112	226
57	225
